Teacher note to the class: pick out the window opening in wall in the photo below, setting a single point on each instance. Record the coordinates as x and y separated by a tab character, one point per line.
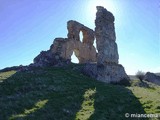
81	36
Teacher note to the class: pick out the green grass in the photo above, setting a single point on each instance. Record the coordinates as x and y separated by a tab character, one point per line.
5	75
64	94
148	95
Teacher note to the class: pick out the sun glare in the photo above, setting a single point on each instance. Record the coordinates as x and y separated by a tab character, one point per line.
91	8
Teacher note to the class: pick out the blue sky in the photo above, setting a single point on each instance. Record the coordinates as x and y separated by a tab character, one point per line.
30	26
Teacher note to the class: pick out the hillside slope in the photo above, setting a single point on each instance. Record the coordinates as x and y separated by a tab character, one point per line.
64	94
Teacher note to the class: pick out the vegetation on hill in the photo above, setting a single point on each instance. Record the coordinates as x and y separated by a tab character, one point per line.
66	94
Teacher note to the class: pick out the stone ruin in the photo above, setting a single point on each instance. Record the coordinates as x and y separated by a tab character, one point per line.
102	65
108	69
62	49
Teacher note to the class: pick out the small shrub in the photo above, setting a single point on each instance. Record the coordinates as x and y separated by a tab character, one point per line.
140	75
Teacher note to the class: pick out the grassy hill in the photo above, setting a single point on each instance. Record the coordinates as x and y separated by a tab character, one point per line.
65	94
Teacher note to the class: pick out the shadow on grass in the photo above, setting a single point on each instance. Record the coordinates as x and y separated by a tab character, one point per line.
58	94
116	103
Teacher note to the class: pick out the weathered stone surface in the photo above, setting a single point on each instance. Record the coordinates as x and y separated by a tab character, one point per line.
111	72
108	69
84	51
151	77
90	69
62	48
65	48
74	29
105	36
47	58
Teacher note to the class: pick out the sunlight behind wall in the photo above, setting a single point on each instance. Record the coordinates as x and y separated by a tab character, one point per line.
81	36
91	7
74	59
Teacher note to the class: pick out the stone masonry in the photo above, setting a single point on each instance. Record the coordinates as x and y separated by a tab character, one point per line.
62	48
102	65
108	69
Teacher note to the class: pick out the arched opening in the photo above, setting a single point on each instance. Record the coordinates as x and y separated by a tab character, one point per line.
81	36
74	59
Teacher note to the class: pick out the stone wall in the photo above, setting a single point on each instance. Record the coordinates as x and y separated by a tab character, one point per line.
102	65
108	69
74	29
63	48
105	36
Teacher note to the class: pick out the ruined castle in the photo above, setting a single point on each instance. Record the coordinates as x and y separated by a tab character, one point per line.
102	65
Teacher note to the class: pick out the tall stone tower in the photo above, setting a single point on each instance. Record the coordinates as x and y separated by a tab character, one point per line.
108	69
